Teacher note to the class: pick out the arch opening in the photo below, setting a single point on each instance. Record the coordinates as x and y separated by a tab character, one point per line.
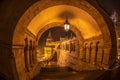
85	22
52	38
89	25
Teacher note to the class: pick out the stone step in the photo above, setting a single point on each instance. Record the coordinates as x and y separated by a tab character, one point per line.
54	69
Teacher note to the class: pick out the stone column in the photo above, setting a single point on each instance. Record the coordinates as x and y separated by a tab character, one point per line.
90	52
84	50
96	52
87	53
99	56
93	47
35	52
81	52
26	54
106	57
30	53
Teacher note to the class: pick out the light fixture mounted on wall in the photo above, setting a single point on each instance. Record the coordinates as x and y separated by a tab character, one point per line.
66	25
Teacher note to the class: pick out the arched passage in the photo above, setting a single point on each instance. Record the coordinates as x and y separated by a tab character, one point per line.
34	20
32	12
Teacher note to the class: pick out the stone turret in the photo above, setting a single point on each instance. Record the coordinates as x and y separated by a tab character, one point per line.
49	38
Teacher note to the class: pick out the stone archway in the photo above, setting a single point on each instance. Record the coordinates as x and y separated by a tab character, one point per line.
36	8
103	21
101	18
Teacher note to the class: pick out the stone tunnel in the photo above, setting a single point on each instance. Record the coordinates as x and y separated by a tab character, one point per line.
25	21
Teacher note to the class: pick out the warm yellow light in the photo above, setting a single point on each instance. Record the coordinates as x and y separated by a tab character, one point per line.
67	25
118	57
82	21
47	52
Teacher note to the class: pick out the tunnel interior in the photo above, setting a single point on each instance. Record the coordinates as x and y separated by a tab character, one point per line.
91	49
88	31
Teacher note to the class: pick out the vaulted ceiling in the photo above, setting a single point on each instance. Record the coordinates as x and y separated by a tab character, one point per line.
76	16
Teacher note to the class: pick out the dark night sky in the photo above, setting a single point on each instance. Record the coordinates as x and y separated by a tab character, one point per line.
110	5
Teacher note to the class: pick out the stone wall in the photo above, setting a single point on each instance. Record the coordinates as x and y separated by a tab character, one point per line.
94	52
7	62
18	51
26	57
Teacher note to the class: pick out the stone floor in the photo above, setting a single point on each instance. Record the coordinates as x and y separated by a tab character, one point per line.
59	73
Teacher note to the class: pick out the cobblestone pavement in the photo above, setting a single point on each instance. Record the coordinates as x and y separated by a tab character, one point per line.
56	73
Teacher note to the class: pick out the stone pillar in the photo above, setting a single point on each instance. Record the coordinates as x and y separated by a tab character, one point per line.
87	53
96	52
26	54
90	52
28	58
117	26
106	57
99	56
102	55
77	48
35	52
32	57
93	47
81	53
30	54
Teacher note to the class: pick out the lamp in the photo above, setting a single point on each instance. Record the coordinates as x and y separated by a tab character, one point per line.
66	25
